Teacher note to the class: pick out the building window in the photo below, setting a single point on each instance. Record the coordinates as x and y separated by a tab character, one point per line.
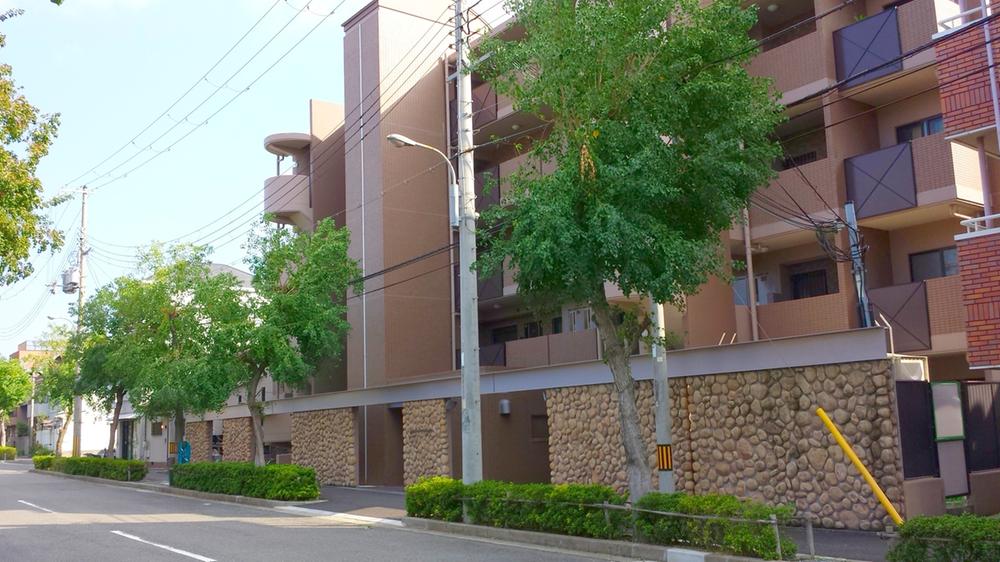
532	329
935	263
739	284
557	325
798	160
157	429
579	319
922	128
809	284
505	334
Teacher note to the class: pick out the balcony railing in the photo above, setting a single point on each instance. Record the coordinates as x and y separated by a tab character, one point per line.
799	183
868	49
791	65
944	305
882	181
553	349
905	308
814	315
288	198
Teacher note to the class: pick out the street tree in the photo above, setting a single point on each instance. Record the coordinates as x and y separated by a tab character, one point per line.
25	137
294	317
174	307
15	388
57	382
657	135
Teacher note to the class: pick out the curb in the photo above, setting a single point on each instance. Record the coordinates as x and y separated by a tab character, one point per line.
241	500
581	544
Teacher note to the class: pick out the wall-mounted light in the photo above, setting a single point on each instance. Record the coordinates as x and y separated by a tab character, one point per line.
504	407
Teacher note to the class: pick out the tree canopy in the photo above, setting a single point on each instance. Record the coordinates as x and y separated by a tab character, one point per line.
25	137
15	388
658	137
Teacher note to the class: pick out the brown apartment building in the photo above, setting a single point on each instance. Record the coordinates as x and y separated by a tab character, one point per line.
869	121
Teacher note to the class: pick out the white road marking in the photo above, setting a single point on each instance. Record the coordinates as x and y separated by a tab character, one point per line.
38	507
164	547
348	516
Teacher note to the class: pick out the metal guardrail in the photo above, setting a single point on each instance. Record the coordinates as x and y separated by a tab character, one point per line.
981	223
962	18
805	521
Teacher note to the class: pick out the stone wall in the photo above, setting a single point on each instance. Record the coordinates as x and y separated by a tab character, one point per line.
425	440
585	440
237	439
326	440
199	434
752	434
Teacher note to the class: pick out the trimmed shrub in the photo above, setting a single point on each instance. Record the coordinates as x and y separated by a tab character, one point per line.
98	467
39	449
576	509
743	538
287	482
7	453
435	498
969	538
43	462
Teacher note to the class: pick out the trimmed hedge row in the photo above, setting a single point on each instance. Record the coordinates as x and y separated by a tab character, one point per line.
968	538
569	509
7	453
274	482
97	467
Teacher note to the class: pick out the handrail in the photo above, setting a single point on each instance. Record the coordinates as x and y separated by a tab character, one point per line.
949	23
980	223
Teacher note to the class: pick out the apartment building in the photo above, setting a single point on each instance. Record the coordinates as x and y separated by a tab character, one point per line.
863	84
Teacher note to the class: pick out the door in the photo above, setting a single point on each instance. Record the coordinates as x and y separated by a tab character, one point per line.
126	439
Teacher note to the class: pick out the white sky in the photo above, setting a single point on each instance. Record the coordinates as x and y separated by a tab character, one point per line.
109	67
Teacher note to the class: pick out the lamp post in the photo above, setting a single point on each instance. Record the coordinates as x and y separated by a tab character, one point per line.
463	215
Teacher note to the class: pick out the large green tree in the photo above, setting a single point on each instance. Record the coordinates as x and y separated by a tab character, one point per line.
25	137
294	316
172	310
658	136
15	388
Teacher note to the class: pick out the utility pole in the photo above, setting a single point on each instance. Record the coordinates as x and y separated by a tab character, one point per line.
77	398
661	392
751	278
858	265
472	436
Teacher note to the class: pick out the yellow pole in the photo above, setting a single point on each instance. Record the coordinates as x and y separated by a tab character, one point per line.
861	468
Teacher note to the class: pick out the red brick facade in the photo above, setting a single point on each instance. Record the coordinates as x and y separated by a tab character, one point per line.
979	263
965	80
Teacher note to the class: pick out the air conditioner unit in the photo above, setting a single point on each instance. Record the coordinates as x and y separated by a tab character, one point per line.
910	368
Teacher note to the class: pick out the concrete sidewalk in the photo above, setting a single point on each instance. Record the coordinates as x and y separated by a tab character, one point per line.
379	502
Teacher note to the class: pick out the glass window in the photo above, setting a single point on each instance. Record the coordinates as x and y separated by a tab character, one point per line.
532	329
557	325
917	129
809	284
932	264
504	334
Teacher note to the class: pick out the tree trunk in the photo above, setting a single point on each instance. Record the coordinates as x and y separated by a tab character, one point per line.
617	356
3	430
256	420
179	427
119	398
63	429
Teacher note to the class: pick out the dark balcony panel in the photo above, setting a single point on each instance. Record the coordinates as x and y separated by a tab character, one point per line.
493	355
484	105
905	307
491	287
453	120
882	181
868	49
458	287
487	188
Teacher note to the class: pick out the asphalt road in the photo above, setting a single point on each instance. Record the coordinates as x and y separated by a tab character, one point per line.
47	518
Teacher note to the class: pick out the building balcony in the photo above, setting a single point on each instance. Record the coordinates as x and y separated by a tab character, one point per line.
814	315
553	349
794	68
287	198
919	173
771	230
946	313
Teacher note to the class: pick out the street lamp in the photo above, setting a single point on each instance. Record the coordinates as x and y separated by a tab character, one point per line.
463	216
400	141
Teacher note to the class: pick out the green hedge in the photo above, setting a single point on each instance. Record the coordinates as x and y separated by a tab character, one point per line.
942	538
748	539
43	462
274	482
97	467
7	453
566	509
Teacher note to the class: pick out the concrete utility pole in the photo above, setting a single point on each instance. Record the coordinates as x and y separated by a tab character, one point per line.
661	392
857	261
77	398
751	278
472	436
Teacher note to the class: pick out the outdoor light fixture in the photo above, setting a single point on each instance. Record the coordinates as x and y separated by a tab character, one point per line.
401	141
772	8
